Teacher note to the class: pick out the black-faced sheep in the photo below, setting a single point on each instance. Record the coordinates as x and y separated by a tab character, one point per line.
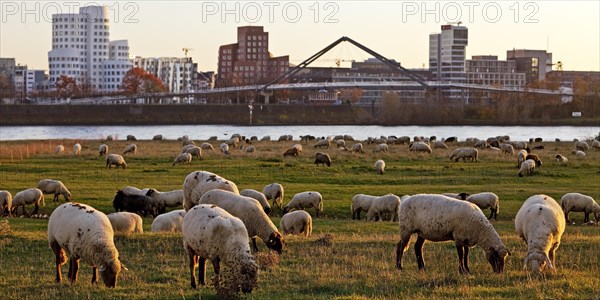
538	161
296	222
459	196
561	159
25	197
305	200
133	203
199	182
274	192
526	168
578	202
258	196
103	149
322	158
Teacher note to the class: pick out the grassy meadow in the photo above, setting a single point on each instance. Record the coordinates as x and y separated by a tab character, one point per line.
343	259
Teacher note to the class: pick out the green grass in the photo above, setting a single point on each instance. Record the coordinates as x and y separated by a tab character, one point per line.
343	259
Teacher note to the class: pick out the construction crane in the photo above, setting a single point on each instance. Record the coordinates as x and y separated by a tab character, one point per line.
185	50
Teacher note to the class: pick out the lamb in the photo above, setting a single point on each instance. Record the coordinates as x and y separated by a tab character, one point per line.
260	197
162	200
125	223
527	168
581	145
207	146
25	197
60	149
116	160
183	158
507	148
464	154
579	202
439	218
380	166
305	200
56	187
322	158
439	145
210	232
77	149
5	203
538	162
360	202
296	222
323	143
540	223
131	148
168	222
199	182
561	159
251	213
358	148
103	149
141	204
419	147
81	232
385	204
486	200
224	148
274	192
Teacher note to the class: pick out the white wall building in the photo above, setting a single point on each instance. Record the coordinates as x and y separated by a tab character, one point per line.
447	53
115	68
177	73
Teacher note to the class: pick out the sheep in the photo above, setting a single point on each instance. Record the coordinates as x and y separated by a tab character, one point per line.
130	190
77	149
284	138
578	153
360	202
60	149
561	159
81	232
323	143
116	160
439	145
199	182
380	166
194	151
274	192
340	143
581	145
250	149
251	213
486	200
381	148
168	222
109	138
207	146
103	149
162	200
521	157
131	148
596	144
56	187
125	223
157	137
305	200
183	158
482	144
260	197
224	148
291	152
322	158
358	148
534	157
518	145
232	142
403	140
25	197
210	232
5	203
540	223
507	148
579	202
464	154
439	218
527	168
131	137
460	196
266	138
141	204
296	222
385	204
419	147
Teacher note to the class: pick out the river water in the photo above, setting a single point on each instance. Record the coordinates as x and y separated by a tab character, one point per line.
203	132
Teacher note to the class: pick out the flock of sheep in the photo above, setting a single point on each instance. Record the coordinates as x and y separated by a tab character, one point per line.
218	221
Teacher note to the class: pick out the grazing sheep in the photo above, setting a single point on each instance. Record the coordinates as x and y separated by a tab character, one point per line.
77	149
125	223
527	168
168	222
358	148
439	145
131	148
194	151
403	140
579	202
251	213
130	190
199	182
340	143
540	223
296	222
157	137
56	187
323	143
507	148
141	204
387	204
521	157
266	138
109	138
5	203
25	197
518	145
258	196
232	142
60	149
207	146
561	159
210	232
116	160
131	138
250	149
305	200
464	154
596	144
461	196
486	200
360	202
183	158
534	157
482	144
381	148
322	158
578	153
380	166
291	152
81	232
439	218
162	200
224	148
274	192
419	147
285	138
103	149
581	145
451	139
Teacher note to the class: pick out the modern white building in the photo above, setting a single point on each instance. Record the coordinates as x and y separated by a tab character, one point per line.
488	70
177	73
447	53
116	66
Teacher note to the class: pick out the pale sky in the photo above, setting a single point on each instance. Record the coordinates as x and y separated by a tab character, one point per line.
399	30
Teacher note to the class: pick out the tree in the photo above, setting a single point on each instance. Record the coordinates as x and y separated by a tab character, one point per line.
138	81
7	87
66	87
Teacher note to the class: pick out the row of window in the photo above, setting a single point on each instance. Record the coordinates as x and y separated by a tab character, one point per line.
254	37
84	19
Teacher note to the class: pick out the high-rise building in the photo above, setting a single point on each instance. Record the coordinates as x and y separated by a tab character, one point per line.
447	54
534	63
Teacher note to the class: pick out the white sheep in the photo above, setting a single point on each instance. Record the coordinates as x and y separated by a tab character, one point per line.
361	202
131	190
251	213
5	203
580	203
296	222
518	145
507	149
358	148
419	147
77	149
168	222
224	148
125	223
381	148
521	157
260	197
250	149
581	145
561	159
207	146
81	232
194	151
103	149
439	145
459	196
540	223
596	144
578	153
60	149
464	154
210	232
274	192
439	218
305	200
162	200
380	166
116	160
25	197
199	182
131	148
387	204
323	143
527	168
56	187
183	158
486	200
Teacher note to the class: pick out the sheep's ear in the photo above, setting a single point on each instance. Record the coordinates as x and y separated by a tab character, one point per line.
124	267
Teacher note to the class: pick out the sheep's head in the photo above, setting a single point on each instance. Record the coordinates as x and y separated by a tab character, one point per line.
496	258
249	275
267	210
275	242
537	261
109	272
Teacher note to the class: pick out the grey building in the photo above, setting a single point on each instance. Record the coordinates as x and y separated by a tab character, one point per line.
534	63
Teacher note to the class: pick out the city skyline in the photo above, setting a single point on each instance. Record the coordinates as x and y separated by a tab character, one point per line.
397	30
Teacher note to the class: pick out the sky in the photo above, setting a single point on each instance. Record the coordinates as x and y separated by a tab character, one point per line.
398	30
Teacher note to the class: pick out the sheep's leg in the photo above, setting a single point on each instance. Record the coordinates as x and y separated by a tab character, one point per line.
36	208
587	217
419	252
254	244
60	258
94	275
466	258
201	270
193	262
461	258
217	268
567	216
552	253
400	248
73	269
